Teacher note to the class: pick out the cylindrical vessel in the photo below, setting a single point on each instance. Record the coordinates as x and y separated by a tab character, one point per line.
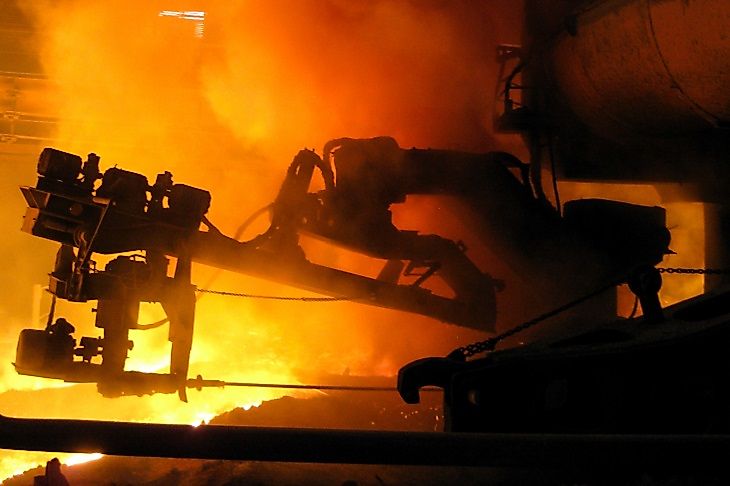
647	67
634	90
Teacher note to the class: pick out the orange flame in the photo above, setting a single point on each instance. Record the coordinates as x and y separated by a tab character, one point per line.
225	108
224	102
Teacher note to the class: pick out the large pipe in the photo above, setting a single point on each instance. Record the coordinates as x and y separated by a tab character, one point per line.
572	451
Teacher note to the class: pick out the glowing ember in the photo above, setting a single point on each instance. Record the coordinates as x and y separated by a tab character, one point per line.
75	459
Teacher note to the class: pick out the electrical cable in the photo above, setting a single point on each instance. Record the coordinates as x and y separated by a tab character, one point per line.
51	312
242	227
239	232
165	320
153	325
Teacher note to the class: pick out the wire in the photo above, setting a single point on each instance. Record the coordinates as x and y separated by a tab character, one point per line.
51	312
153	325
274	297
165	320
237	235
243	226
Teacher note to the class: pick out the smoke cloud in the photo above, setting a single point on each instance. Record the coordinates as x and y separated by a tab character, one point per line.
225	103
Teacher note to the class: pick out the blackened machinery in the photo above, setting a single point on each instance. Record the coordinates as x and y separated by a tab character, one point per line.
611	90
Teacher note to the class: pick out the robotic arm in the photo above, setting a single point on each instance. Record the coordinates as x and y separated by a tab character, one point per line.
124	213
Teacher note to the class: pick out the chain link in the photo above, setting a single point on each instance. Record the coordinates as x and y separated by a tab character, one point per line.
694	271
274	297
489	344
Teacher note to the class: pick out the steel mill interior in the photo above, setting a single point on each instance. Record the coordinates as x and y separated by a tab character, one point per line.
365	242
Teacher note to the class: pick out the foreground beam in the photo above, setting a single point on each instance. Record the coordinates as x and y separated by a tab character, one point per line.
365	447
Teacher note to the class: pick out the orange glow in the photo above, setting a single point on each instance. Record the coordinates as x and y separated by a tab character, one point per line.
226	111
684	220
15	462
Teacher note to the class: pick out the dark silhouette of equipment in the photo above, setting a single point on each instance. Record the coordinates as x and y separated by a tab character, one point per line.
328	446
630	91
657	374
363	178
606	90
123	213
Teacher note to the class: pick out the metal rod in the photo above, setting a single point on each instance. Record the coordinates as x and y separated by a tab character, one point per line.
310	387
203	383
365	447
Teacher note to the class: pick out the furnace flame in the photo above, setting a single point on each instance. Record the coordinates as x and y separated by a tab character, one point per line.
226	111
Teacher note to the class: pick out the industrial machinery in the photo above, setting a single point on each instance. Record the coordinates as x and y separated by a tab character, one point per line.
631	91
663	373
123	213
607	90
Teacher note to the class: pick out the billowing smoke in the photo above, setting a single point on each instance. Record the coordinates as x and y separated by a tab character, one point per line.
224	96
224	100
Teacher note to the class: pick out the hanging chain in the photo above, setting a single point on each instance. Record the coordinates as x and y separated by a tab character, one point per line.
274	297
515	330
694	271
489	344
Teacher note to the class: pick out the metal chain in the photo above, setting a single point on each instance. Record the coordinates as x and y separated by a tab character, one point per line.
489	344
694	271
274	297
